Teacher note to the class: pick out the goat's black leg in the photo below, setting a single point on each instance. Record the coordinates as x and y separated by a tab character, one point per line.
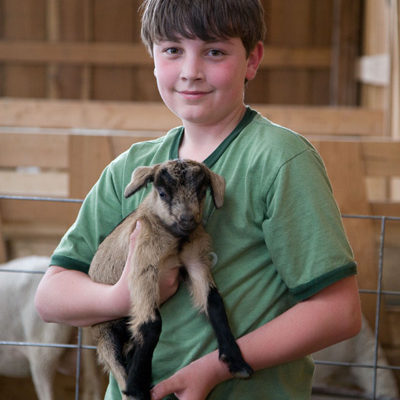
229	351
112	338
139	360
120	335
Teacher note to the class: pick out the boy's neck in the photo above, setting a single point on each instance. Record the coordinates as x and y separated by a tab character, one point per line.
200	141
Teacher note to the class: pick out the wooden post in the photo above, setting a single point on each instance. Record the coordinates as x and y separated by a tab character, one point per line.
86	87
88	155
53	36
394	43
346	40
3	252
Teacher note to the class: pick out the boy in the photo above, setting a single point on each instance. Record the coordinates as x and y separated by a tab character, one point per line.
282	261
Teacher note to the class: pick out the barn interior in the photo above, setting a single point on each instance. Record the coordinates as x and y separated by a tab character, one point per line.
77	89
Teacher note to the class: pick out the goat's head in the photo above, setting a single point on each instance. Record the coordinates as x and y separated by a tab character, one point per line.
179	189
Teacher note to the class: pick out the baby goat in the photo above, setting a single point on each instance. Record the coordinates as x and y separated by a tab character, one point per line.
171	235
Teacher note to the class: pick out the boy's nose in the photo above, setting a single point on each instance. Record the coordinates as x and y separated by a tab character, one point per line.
191	68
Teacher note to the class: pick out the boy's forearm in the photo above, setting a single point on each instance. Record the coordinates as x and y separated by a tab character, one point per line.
71	297
331	316
328	317
323	320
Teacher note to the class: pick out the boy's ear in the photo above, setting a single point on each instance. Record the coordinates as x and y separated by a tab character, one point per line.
254	60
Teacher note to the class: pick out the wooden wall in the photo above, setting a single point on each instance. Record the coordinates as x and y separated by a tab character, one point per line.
90	49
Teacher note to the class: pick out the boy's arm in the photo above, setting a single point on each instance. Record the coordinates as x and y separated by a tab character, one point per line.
330	316
71	297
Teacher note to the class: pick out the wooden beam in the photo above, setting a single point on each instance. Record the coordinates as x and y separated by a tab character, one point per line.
52	184
386	208
381	158
38	212
317	57
157	118
121	54
40	150
87	114
323	121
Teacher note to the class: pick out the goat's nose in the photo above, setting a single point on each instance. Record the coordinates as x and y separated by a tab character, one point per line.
187	220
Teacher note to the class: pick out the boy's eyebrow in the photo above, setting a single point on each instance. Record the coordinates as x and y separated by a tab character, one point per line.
179	40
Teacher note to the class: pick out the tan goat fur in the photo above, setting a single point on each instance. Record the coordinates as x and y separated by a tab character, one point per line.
156	249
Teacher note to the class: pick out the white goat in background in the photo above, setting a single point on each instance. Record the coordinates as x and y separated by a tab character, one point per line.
19	322
358	350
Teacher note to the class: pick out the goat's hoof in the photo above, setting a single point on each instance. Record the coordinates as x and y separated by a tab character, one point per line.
237	367
137	395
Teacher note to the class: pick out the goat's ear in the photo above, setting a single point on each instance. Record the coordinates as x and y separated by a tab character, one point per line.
217	189
140	177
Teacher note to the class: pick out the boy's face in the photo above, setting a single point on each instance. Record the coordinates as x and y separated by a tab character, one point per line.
203	82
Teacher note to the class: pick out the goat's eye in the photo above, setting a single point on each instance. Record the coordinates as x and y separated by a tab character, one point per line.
162	193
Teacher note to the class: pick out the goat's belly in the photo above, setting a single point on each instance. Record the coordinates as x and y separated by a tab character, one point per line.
13	363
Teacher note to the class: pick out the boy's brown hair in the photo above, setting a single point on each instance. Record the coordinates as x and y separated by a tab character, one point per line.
207	20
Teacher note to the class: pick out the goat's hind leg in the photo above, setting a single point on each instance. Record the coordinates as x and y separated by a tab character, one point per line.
140	358
113	337
229	351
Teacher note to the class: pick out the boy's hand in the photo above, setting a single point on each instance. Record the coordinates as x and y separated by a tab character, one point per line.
195	381
169	281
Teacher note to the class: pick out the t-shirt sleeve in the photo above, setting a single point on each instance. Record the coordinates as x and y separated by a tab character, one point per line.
98	215
303	227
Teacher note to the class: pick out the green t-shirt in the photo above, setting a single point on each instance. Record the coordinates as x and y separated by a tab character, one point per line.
277	240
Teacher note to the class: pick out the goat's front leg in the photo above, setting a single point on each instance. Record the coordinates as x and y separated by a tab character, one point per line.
229	351
207	298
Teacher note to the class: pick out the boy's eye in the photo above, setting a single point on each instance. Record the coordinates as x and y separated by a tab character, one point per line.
172	51
215	53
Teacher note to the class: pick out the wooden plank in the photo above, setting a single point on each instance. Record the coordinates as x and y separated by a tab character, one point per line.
149	116
50	150
113	23
381	158
112	54
317	57
74	81
346	43
25	20
33	230
34	184
124	54
386	208
38	212
326	120
40	150
87	114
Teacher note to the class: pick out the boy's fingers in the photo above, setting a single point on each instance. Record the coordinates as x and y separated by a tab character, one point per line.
161	390
135	232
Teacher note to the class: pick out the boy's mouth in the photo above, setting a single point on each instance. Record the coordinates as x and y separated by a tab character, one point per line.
193	94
